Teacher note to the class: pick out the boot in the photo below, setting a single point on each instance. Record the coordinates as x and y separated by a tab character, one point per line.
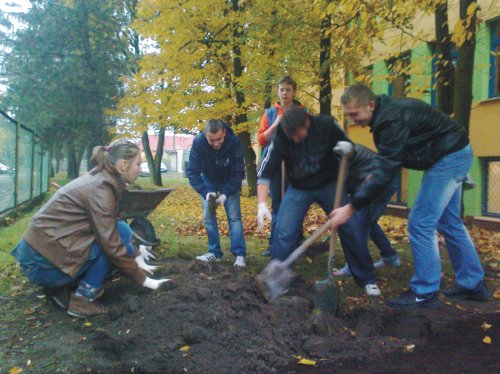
81	307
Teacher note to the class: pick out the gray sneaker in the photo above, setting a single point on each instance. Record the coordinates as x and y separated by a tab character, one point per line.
393	261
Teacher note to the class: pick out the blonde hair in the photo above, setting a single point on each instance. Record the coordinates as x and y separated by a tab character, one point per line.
105	157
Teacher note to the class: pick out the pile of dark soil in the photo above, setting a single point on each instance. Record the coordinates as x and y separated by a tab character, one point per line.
213	319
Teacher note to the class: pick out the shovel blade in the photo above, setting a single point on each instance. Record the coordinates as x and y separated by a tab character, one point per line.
327	297
275	279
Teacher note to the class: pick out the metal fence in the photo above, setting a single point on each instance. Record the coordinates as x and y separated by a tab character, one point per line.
24	164
491	192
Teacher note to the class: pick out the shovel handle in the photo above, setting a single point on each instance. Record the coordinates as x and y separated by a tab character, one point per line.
338	199
306	244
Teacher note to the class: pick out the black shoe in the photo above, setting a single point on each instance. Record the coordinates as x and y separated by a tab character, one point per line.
410	299
59	295
267	252
480	293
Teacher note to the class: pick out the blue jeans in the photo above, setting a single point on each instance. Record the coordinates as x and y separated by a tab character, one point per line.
293	209
437	206
378	237
365	220
233	213
93	272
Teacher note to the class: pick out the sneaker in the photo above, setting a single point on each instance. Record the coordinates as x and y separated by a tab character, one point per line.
59	296
372	289
81	307
241	261
410	299
393	261
343	272
480	293
208	257
267	252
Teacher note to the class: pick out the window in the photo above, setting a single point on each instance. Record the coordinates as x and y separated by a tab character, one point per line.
491	185
399	75
495	60
454	55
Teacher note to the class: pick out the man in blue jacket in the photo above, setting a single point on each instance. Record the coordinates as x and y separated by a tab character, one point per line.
412	134
216	171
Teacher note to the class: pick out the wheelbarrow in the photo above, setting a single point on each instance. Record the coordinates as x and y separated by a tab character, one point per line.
137	205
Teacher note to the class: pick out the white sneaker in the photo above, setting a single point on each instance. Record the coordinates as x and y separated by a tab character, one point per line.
208	257
372	290
240	261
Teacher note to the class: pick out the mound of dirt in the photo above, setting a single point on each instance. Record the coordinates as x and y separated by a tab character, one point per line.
212	318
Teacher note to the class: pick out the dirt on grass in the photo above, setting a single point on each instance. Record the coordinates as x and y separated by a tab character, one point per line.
214	319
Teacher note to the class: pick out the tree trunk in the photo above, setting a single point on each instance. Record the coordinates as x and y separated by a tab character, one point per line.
325	84
248	152
444	65
462	95
158	158
147	153
73	169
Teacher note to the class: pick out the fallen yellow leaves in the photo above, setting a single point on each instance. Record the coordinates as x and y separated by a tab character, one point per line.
184	348
305	361
485	326
15	370
487	340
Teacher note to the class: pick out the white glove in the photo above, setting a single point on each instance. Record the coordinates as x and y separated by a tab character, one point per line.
220	200
144	251
207	198
154	283
142	265
262	213
343	148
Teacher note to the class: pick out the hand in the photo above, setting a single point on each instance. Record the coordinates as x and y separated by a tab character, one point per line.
220	200
142	265
341	215
263	212
343	148
277	120
144	251
213	194
154	283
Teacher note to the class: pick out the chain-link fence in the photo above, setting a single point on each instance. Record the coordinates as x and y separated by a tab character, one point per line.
491	200
24	164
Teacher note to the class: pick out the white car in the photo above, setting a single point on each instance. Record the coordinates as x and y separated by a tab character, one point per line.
4	169
144	170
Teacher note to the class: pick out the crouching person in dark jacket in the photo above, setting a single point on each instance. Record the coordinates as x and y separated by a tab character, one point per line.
75	237
410	133
216	171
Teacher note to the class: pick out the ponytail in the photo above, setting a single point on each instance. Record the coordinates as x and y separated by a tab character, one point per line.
105	157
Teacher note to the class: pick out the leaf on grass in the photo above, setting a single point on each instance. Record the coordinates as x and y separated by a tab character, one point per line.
184	348
87	324
309	260
496	294
15	370
487	340
305	361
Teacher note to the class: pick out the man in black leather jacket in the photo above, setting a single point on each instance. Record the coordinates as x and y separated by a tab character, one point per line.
410	133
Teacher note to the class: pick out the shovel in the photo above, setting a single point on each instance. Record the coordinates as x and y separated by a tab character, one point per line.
277	275
327	292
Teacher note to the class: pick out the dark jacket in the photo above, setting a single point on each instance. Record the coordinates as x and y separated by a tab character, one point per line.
83	211
360	166
311	164
408	133
224	168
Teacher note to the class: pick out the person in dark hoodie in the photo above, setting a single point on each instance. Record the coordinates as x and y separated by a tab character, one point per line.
287	89
410	133
76	237
215	171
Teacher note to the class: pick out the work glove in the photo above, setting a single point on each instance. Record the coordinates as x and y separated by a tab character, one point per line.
343	148
211	195
263	212
220	200
144	251
154	283
142	265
